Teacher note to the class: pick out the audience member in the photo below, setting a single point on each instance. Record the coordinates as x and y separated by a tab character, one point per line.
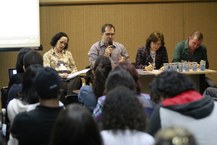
60	59
182	106
153	54
31	57
191	50
117	77
108	47
123	119
88	95
27	98
75	125
28	94
145	99
17	78
34	127
174	136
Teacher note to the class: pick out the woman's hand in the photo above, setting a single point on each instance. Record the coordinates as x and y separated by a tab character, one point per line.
63	75
150	67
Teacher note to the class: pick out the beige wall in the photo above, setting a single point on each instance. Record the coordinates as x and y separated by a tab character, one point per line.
133	22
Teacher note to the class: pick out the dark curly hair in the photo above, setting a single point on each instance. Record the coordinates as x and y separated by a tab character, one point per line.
56	37
169	84
122	110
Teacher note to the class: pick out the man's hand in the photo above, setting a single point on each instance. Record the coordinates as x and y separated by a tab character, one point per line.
108	51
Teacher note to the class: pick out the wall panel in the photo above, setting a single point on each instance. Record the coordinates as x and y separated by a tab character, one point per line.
134	22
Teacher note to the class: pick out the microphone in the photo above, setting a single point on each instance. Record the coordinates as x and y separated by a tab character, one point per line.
110	44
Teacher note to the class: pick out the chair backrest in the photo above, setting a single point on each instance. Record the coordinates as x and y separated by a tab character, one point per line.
4	95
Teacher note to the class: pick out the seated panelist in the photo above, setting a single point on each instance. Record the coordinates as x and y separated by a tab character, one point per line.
153	54
191	50
115	51
60	59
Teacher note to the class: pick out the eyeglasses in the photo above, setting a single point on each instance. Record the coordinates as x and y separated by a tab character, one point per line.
62	42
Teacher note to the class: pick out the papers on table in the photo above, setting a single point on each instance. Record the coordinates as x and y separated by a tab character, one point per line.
71	76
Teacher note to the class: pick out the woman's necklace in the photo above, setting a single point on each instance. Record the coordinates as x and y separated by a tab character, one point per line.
153	56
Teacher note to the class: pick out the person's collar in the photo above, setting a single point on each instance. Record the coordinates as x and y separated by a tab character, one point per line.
53	51
183	98
102	44
186	44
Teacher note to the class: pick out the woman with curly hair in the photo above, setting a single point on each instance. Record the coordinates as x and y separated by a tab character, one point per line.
123	119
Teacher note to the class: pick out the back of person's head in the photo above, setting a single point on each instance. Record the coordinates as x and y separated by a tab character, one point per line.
47	83
28	93
155	37
122	110
19	63
101	70
75	125
56	37
132	70
105	26
119	77
174	136
32	57
168	84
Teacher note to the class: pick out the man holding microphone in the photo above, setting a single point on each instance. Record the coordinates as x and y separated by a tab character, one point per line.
108	47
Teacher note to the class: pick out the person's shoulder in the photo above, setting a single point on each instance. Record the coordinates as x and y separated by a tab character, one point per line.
181	42
182	45
67	52
203	46
86	88
95	44
118	44
13	103
16	88
141	48
23	117
49	52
